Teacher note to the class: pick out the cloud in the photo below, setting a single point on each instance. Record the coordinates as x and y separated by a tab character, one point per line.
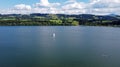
46	10
44	6
22	7
69	7
70	1
17	9
74	5
104	7
46	3
105	3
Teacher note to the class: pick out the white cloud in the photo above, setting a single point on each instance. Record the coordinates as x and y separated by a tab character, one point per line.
104	7
69	7
93	7
105	3
74	5
70	1
17	9
22	7
46	3
46	7
46	10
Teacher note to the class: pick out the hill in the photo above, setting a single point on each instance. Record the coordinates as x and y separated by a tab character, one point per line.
59	19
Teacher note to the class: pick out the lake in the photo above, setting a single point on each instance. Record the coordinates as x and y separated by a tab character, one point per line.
72	46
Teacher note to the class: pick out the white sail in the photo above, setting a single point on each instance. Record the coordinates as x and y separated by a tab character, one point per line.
53	35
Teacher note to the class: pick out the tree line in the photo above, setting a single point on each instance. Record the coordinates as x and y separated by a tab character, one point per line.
57	20
49	20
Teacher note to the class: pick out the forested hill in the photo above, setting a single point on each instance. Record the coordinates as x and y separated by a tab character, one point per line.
38	19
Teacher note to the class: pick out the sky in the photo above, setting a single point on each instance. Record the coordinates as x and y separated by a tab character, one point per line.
99	7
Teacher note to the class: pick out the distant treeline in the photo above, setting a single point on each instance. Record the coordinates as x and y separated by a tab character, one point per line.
58	20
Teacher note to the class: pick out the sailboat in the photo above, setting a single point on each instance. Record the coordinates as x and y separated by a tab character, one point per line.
53	34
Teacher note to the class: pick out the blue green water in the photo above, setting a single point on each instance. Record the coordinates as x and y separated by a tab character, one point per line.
73	46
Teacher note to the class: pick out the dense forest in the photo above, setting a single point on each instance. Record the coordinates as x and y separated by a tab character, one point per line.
37	19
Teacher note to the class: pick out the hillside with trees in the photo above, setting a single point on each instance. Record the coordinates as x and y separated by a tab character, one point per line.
37	19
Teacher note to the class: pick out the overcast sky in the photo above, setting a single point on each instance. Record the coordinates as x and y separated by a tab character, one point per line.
101	7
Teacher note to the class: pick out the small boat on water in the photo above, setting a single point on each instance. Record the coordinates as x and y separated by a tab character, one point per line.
53	34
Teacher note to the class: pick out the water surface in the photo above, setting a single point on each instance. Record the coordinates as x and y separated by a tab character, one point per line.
73	46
